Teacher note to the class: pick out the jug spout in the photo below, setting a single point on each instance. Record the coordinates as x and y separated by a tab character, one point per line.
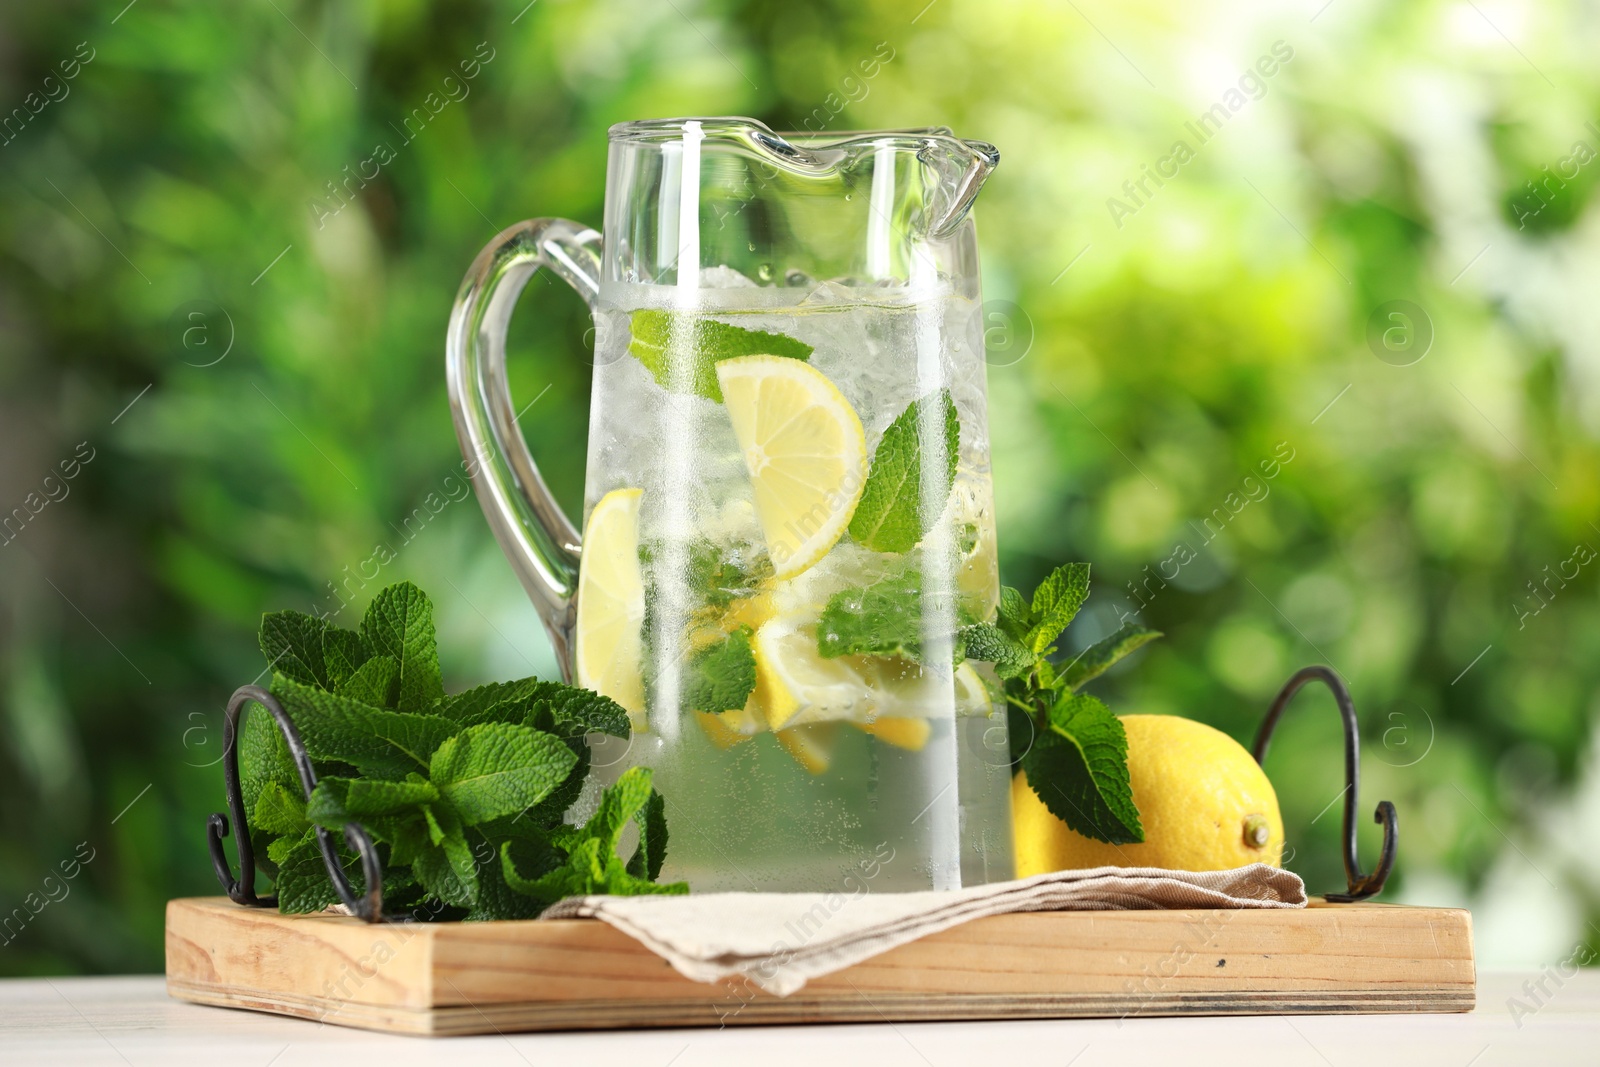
960	168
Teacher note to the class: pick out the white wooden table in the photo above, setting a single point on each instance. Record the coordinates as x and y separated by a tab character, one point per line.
130	1022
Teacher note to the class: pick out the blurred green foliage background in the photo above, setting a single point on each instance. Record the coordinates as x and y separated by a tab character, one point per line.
1432	536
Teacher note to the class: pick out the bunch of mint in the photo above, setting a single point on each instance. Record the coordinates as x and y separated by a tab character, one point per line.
1073	749
465	795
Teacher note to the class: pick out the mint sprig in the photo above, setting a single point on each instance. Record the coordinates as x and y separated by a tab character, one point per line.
443	784
897	507
887	618
591	864
1072	748
721	676
661	338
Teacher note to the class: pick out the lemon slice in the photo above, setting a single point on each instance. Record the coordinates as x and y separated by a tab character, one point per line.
795	686
901	713
805	452
811	746
899	731
729	728
608	644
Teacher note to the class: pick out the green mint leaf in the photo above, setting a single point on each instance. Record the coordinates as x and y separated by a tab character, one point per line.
991	644
1015	616
399	624
575	875
263	760
618	804
385	743
662	338
343	653
1045	679
442	822
376	683
721	676
498	769
495	702
1098	657
1020	730
1056	602
279	849
885	618
586	871
591	865
302	884
652	851
1079	769
496	899
292	643
337	801
718	574
896	508
550	811
564	710
569	711
448	871
279	811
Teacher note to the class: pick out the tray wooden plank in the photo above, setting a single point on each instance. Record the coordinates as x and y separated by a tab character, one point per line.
468	978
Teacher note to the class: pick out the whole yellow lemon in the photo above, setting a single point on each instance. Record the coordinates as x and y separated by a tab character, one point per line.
1204	802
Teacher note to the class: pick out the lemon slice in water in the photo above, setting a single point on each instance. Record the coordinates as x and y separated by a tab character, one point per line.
608	645
804	449
795	686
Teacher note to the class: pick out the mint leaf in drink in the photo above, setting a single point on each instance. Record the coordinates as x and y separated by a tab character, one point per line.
1078	767
660	337
716	574
388	744
1056	603
897	508
399	624
722	675
885	618
1100	656
376	683
991	644
292	643
498	769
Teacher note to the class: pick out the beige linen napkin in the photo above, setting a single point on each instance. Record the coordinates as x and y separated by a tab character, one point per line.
779	941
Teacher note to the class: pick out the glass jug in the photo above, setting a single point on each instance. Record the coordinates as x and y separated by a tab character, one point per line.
788	513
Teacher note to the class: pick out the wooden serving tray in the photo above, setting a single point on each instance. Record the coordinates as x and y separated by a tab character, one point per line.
571	974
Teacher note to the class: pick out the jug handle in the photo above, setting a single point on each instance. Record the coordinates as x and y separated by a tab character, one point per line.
535	534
